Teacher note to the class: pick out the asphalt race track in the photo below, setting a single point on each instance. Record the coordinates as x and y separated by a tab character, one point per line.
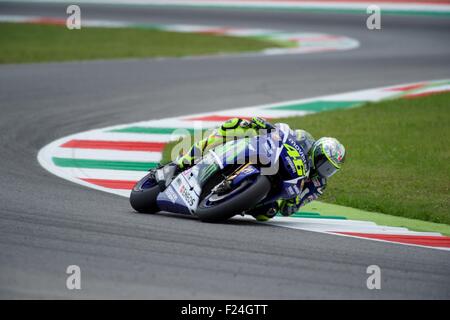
48	223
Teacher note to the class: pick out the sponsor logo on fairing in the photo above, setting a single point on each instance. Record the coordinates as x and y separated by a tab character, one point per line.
186	195
298	148
171	195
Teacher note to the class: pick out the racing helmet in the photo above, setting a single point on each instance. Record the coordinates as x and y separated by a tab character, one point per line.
327	156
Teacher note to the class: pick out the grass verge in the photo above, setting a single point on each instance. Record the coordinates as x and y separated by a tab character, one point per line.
381	219
20	43
398	156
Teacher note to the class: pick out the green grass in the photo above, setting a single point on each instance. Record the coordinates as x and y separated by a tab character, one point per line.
398	161
20	43
398	156
379	218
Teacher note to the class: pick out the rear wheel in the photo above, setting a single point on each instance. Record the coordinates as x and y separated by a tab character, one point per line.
144	194
215	207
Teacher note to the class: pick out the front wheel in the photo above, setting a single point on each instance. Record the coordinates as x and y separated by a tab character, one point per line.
144	194
247	195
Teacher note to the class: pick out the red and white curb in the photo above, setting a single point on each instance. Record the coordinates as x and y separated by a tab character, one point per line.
112	159
296	42
360	6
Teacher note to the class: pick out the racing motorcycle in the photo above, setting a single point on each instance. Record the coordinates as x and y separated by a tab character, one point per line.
234	178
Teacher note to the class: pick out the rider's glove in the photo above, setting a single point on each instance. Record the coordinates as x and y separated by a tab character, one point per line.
164	174
260	123
288	206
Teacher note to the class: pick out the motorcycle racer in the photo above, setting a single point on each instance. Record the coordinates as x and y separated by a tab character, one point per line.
325	155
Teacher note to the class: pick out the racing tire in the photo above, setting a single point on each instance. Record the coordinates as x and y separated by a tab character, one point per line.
248	198
143	200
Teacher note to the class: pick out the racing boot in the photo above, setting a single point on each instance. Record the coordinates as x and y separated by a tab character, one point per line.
165	174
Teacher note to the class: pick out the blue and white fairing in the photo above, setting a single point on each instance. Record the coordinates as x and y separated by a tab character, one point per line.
275	153
183	193
291	164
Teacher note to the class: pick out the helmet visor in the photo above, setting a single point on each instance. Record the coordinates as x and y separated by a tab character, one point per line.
326	169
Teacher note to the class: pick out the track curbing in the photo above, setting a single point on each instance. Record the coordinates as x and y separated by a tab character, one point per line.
119	174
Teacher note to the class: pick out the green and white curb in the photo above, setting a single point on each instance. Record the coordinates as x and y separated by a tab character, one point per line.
112	159
402	7
294	42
